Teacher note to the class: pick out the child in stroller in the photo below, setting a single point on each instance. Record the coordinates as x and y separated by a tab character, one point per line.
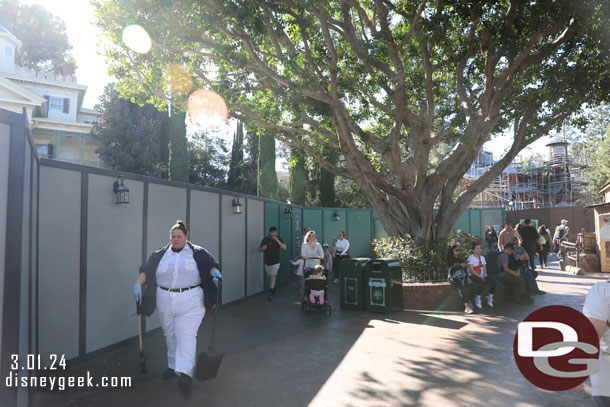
316	290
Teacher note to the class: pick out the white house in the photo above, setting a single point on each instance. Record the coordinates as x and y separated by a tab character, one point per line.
61	127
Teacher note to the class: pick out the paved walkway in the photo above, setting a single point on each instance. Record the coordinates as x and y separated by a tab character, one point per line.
278	357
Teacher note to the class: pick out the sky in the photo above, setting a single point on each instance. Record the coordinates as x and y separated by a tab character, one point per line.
92	71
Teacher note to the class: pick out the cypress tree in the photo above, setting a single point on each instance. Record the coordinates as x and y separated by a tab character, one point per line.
267	177
298	178
236	166
327	182
178	147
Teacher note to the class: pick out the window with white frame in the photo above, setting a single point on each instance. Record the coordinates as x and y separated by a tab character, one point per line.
56	104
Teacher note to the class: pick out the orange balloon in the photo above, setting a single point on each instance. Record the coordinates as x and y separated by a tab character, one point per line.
208	109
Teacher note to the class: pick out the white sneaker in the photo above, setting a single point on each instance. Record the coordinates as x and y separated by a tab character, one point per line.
490	300
468	310
477	302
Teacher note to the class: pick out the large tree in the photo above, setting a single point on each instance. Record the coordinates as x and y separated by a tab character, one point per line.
385	83
42	34
129	134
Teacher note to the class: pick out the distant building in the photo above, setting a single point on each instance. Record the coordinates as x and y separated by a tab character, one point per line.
558	181
61	127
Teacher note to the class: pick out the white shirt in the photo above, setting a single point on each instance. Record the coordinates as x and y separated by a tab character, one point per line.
306	251
299	265
597	306
342	246
178	270
472	260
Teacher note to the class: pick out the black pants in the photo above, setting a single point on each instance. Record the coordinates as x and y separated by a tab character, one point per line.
530	253
336	264
462	287
516	283
478	285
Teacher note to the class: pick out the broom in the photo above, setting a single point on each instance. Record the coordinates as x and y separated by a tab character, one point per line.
209	362
143	368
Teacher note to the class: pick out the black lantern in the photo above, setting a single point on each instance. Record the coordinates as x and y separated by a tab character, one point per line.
237	206
288	212
336	216
121	191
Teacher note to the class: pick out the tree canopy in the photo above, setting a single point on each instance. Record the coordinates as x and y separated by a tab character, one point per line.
45	43
384	83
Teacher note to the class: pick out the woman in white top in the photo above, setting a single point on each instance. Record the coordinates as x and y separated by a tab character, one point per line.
311	251
341	253
477	270
312	254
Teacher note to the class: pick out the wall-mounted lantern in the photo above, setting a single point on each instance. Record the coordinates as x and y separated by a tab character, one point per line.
336	216
288	212
121	192
237	206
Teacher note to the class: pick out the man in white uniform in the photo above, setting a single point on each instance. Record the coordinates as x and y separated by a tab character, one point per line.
597	309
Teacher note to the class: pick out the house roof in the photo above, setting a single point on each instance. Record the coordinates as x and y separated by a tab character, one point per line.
22	92
7	34
604	188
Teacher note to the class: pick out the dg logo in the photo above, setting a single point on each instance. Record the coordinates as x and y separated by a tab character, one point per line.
556	348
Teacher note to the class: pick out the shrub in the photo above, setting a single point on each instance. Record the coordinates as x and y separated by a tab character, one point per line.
421	260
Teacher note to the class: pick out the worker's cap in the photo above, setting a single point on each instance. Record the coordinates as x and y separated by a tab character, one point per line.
564	221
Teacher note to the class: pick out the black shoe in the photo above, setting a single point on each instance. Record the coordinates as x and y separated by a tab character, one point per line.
185	383
169	374
540	292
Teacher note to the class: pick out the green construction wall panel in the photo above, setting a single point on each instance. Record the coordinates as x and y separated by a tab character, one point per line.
312	218
475	221
333	227
359	232
285	232
463	223
378	229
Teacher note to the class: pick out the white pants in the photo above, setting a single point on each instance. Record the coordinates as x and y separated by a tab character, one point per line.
180	315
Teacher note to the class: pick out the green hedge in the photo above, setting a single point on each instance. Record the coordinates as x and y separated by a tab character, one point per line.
421	260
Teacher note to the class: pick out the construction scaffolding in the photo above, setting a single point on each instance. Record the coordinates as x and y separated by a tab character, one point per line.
558	181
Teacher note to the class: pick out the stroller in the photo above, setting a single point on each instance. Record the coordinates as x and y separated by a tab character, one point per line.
319	285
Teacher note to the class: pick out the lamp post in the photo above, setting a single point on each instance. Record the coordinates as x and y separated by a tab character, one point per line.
336	216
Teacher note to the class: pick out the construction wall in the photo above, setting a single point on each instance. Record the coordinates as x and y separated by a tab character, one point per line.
578	217
19	167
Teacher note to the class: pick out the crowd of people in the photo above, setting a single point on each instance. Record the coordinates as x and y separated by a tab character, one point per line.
509	259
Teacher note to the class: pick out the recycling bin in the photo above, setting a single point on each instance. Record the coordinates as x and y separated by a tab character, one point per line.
383	286
351	272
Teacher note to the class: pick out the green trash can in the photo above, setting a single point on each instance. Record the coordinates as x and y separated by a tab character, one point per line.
383	286
351	272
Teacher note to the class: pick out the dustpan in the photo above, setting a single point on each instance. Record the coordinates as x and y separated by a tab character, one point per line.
208	363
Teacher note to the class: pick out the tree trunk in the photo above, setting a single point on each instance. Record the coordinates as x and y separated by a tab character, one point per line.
178	150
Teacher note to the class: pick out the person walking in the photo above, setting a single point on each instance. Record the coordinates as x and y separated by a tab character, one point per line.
341	253
180	281
561	234
506	235
530	240
547	245
270	246
312	253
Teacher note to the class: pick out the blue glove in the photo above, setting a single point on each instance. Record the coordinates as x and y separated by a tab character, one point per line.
137	292
215	276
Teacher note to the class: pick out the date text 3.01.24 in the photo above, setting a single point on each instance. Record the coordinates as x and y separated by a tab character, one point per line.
37	363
